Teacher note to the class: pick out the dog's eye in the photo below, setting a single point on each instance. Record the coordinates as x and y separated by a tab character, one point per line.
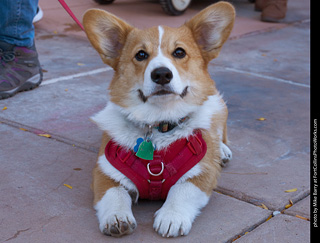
141	55
179	53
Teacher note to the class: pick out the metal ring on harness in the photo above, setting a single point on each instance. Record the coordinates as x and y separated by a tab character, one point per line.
162	168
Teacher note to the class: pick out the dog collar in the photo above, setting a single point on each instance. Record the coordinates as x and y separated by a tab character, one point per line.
166	126
144	147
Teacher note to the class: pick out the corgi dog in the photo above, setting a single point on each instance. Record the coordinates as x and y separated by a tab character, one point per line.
165	124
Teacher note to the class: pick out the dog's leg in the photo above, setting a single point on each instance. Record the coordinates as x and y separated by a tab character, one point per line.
113	206
226	154
177	214
114	212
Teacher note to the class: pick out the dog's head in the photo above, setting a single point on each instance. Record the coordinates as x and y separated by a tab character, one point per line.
160	72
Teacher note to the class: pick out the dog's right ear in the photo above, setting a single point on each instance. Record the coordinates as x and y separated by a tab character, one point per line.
107	34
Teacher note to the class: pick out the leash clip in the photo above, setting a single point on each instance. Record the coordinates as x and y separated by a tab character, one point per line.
149	134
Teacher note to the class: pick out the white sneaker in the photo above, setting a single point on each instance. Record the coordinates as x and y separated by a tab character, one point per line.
38	16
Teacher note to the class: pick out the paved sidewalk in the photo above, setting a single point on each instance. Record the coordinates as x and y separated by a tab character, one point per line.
263	71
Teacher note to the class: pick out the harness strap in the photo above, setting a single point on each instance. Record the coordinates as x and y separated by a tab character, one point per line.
154	178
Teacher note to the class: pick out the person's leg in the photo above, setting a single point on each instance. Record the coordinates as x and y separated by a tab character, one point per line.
16	21
19	65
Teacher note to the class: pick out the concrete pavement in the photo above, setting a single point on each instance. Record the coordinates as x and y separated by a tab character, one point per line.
263	71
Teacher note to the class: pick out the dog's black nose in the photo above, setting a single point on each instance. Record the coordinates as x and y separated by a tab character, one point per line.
161	75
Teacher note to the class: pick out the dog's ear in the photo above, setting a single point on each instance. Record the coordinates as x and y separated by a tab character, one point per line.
211	28
107	34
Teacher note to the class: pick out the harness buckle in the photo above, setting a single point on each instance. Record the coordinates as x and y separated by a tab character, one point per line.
194	144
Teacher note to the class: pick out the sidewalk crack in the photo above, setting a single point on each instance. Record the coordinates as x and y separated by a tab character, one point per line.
17	234
53	136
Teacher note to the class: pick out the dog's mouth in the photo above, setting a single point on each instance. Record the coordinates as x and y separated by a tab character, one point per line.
162	92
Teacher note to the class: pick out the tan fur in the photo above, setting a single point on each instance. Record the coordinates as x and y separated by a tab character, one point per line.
108	25
101	182
201	24
105	139
210	164
129	71
191	67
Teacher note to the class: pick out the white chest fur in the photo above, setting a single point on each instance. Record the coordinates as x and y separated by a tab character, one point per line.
125	130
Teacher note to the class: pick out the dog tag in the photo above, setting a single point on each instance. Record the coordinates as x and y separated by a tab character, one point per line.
145	150
138	142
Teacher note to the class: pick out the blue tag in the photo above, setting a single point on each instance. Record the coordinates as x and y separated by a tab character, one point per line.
136	147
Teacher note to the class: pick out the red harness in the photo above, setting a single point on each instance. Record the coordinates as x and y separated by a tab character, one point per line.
154	178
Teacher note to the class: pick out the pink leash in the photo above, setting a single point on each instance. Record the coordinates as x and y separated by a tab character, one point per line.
66	7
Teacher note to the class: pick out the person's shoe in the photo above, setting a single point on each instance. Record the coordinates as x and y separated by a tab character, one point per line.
39	15
19	69
259	5
274	11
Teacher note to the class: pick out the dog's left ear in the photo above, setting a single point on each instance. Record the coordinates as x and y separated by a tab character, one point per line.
107	34
211	28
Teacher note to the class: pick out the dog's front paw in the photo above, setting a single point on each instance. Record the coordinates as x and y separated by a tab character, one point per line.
114	213
170	223
226	154
118	224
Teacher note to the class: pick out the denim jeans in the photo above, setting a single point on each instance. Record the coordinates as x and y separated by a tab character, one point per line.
16	21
